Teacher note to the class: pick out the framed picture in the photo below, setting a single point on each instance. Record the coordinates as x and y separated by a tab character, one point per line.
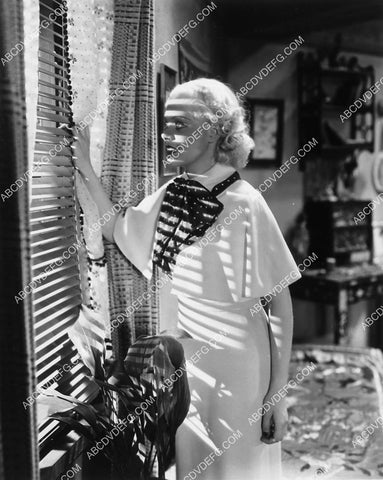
167	80
266	129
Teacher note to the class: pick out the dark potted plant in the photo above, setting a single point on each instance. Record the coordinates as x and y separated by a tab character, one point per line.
139	407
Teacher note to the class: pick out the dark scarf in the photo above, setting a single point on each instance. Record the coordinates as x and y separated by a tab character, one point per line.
187	211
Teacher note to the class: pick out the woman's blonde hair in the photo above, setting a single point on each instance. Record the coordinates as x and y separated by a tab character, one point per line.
226	112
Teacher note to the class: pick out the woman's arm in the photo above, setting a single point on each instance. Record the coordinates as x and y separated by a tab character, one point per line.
274	422
81	159
281	324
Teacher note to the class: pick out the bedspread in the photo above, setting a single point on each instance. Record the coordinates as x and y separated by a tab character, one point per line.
335	414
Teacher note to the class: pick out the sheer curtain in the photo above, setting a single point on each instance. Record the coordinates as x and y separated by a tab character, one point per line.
90	34
123	142
130	157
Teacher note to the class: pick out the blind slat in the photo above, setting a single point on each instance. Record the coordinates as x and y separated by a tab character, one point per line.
51	362
52	22
51	214
57	276
53	107
61	150
41	159
48	34
45	237
41	273
53	224
42	348
66	309
56	87
53	183
49	171
55	97
53	256
47	52
75	383
52	336
48	139
52	302
50	371
52	63
48	193
45	293
70	313
38	205
52	117
53	262
51	76
56	132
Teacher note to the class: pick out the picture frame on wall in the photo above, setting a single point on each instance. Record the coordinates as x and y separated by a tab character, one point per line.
266	129
167	80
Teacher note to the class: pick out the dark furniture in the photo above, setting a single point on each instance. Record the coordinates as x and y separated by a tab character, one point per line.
340	288
336	231
324	94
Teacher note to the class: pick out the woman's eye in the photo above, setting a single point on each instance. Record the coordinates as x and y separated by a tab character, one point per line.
177	125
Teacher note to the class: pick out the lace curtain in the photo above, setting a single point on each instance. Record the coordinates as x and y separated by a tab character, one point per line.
90	35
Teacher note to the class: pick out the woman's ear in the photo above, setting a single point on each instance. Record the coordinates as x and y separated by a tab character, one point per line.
213	134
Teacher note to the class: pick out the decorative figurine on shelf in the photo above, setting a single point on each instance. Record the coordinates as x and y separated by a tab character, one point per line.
346	178
297	238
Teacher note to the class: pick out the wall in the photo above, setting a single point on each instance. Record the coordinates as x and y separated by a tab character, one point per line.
171	16
285	196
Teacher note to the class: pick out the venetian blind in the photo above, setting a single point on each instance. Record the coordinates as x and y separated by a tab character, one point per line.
55	218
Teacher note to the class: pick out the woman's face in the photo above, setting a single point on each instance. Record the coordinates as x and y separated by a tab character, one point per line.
188	137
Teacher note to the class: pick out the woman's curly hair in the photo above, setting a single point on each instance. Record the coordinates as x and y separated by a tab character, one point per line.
226	112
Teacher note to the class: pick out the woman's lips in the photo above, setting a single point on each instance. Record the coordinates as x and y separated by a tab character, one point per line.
170	152
170	149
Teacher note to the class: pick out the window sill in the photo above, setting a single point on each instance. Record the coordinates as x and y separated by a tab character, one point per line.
65	454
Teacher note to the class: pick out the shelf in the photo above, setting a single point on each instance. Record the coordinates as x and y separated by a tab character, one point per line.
362	109
323	96
334	107
348	148
336	72
344	73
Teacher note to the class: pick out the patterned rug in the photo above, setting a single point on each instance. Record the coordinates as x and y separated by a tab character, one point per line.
330	409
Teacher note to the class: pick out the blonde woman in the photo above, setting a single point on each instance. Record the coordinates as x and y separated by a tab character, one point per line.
214	234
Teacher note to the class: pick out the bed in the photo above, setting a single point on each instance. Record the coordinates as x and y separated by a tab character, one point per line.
330	409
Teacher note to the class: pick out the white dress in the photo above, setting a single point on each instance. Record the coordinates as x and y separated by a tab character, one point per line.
217	281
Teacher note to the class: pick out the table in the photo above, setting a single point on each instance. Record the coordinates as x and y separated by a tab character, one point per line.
341	287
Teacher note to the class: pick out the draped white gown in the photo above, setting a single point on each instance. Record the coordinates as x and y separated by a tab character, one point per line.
217	281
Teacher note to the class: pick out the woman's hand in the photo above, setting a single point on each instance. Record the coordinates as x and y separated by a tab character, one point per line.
274	421
80	148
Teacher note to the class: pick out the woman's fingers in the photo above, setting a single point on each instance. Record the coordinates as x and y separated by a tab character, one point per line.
267	427
280	427
274	426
